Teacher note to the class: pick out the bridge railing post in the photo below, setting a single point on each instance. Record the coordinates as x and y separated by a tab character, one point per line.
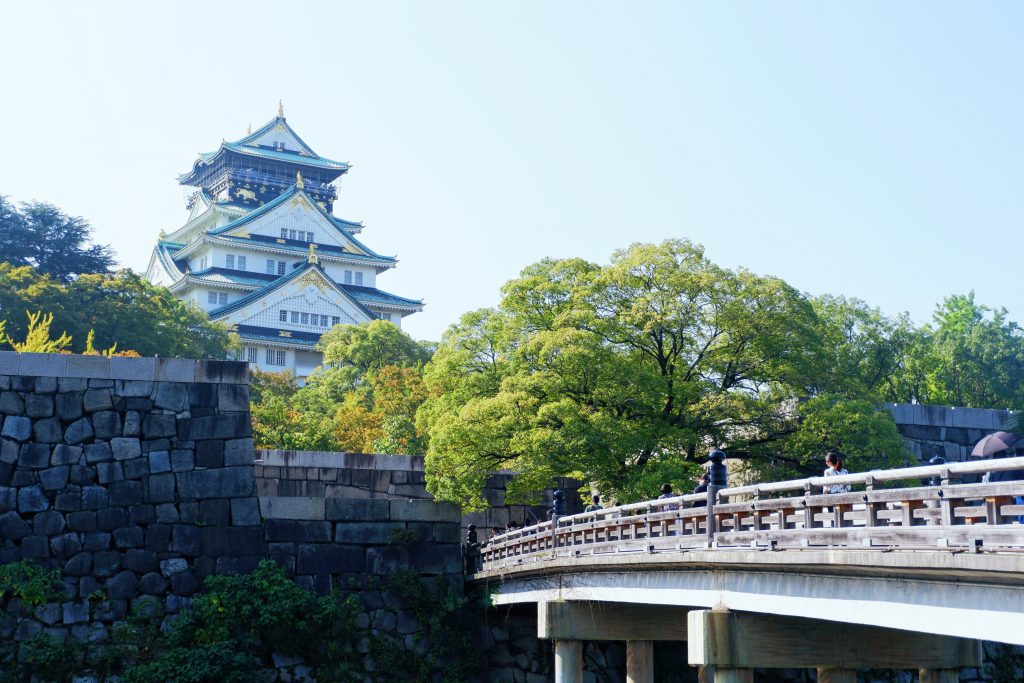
717	480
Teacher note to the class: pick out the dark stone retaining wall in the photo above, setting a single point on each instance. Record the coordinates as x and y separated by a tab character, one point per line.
136	478
943	430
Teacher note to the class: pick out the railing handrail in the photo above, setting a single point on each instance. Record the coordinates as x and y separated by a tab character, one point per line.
920	472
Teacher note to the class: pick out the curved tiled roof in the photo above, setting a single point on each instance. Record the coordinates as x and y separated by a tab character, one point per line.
373	295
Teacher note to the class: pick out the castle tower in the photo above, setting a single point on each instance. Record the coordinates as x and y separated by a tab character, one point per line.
262	251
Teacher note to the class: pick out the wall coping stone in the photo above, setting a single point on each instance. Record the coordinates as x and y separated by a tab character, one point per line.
948	416
339	460
183	370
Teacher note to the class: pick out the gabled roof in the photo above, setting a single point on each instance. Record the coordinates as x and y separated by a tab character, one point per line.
252	139
249	146
284	280
272	335
234	277
281	199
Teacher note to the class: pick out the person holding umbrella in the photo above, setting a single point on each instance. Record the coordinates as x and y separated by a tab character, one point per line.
1002	445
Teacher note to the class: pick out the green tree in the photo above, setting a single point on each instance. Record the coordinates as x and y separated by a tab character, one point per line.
44	237
121	308
623	375
353	352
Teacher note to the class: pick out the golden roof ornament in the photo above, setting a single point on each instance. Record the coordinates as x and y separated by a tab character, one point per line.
280	109
163	233
248	131
312	254
298	180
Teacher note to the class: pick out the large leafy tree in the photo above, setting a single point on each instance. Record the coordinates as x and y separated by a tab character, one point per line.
970	355
56	244
121	308
625	374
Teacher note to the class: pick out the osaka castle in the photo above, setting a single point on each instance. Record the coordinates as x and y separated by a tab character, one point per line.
262	250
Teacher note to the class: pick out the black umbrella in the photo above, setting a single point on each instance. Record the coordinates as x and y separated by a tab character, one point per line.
994	443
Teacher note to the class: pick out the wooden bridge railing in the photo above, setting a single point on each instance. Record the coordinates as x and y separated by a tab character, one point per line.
944	513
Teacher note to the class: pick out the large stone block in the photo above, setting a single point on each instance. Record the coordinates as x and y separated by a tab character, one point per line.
291	530
108	472
17	428
424	511
170	396
160	488
9	499
106	424
367	533
330	559
42	364
215	512
175	370
122	586
233	541
133	368
186	540
109	519
69	405
125	493
238	451
125	448
348	509
82	521
39	405
158	538
159	461
98	452
210	453
88	366
65	455
78	431
9	362
13	527
245	512
65	546
97	399
94	497
129	536
11	403
54	478
292	508
222	371
182	460
233	397
202	395
32	499
227	482
34	455
423	558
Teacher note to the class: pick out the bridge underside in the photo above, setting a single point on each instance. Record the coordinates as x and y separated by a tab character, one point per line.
967	595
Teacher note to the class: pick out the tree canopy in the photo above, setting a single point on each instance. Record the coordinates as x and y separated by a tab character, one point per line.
120	308
626	374
55	244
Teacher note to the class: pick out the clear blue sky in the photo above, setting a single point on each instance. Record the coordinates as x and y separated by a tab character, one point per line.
871	149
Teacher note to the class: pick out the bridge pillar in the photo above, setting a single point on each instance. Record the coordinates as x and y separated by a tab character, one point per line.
639	661
568	661
837	675
746	640
939	676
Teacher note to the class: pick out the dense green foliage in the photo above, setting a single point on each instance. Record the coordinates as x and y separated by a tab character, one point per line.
229	634
55	244
365	400
120	308
625	375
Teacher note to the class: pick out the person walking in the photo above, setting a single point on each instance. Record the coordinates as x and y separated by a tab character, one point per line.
666	492
595	504
834	467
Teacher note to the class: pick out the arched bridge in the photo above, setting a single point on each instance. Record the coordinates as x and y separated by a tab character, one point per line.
891	574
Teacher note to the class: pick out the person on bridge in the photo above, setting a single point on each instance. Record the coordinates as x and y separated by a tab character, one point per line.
666	492
1008	475
595	504
834	462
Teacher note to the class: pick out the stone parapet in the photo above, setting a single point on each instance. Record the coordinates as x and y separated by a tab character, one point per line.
180	370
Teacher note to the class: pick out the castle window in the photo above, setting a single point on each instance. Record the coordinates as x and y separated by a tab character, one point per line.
284	233
348	277
222	299
359	278
282	316
291	235
323	321
229	260
280	267
335	320
271	266
251	354
241	263
275	357
305	318
295	317
211	298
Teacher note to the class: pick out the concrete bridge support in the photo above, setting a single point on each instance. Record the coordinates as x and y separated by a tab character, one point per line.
735	643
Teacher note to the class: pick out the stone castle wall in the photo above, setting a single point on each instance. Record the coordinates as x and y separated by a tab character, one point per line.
943	430
136	478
